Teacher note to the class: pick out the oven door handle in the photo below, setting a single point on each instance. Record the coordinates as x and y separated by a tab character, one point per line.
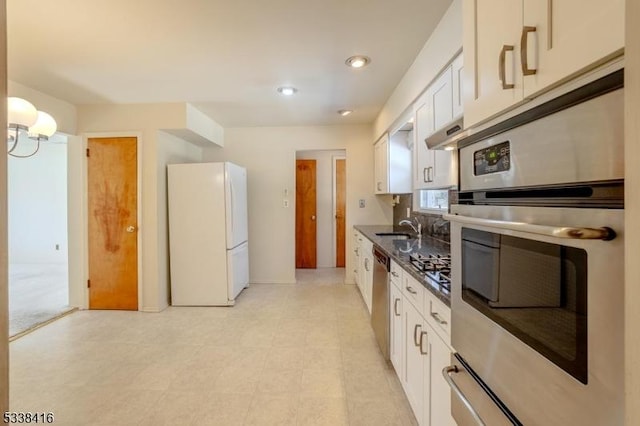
604	233
446	373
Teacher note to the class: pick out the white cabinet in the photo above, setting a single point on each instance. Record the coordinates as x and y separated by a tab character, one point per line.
419	337
439	394
436	108
396	326
416	364
364	274
457	79
381	165
392	164
367	285
516	49
357	238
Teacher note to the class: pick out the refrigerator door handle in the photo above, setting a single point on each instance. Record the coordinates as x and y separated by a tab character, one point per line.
232	207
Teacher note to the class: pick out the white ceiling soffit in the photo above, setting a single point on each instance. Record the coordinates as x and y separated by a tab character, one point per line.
226	57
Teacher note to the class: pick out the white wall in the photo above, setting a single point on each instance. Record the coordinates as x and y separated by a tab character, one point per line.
445	42
63	112
269	155
37	191
632	212
325	223
171	150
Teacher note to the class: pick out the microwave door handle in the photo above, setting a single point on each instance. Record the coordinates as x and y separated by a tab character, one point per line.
446	373
604	233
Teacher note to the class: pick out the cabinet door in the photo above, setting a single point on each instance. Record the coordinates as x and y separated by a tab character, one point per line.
441	99
491	28
415	363
396	342
423	157
445	169
356	253
569	36
456	82
367	286
381	166
439	390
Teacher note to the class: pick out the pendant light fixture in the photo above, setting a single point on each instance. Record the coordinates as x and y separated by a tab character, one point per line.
23	117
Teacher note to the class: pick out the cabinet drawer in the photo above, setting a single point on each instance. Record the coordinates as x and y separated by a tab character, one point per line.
395	275
413	291
438	315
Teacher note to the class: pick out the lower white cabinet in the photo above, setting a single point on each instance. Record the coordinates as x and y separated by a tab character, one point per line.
357	237
415	379
419	353
364	267
396	327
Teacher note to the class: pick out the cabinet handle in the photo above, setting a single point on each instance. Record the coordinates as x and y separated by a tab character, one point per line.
430	174
378	186
523	50
415	334
438	318
424	175
395	274
366	264
502	67
411	290
424	333
395	307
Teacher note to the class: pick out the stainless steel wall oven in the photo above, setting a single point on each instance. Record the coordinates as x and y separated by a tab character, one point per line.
537	244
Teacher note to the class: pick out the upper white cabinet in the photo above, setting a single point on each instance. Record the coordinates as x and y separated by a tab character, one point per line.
435	109
516	49
392	164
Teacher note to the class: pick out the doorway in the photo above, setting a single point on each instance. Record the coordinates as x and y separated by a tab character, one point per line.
321	201
112	182
37	226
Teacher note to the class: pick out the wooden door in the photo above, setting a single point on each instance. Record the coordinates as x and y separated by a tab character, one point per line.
341	193
112	211
306	255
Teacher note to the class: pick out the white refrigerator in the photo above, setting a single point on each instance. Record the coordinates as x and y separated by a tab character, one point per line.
208	235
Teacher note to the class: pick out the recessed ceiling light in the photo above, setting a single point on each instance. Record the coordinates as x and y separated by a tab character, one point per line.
344	112
449	148
358	61
287	90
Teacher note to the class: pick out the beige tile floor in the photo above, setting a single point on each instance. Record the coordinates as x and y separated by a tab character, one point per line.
284	355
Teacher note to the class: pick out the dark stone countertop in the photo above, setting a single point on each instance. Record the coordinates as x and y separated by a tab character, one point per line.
399	250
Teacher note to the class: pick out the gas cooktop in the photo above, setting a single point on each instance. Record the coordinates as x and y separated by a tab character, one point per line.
436	267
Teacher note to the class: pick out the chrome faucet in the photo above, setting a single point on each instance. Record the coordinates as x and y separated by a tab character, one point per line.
417	229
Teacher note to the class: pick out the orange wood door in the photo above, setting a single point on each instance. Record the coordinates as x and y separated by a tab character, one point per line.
306	256
113	227
341	195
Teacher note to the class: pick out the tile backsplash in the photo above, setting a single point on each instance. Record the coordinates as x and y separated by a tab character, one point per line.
433	225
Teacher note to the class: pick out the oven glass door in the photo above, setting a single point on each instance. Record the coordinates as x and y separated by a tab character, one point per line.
535	290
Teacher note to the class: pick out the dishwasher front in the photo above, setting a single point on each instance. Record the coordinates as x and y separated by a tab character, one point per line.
380	300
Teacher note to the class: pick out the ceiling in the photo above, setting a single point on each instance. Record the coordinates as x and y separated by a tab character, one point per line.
226	57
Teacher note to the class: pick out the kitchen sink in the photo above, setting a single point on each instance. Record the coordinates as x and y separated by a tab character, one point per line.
394	235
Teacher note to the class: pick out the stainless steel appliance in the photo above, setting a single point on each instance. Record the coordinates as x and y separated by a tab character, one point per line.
380	299
436	268
537	246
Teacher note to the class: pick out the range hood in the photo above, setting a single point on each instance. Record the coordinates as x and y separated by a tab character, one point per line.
448	135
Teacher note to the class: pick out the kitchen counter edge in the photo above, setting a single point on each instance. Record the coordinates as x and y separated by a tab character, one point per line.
424	246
